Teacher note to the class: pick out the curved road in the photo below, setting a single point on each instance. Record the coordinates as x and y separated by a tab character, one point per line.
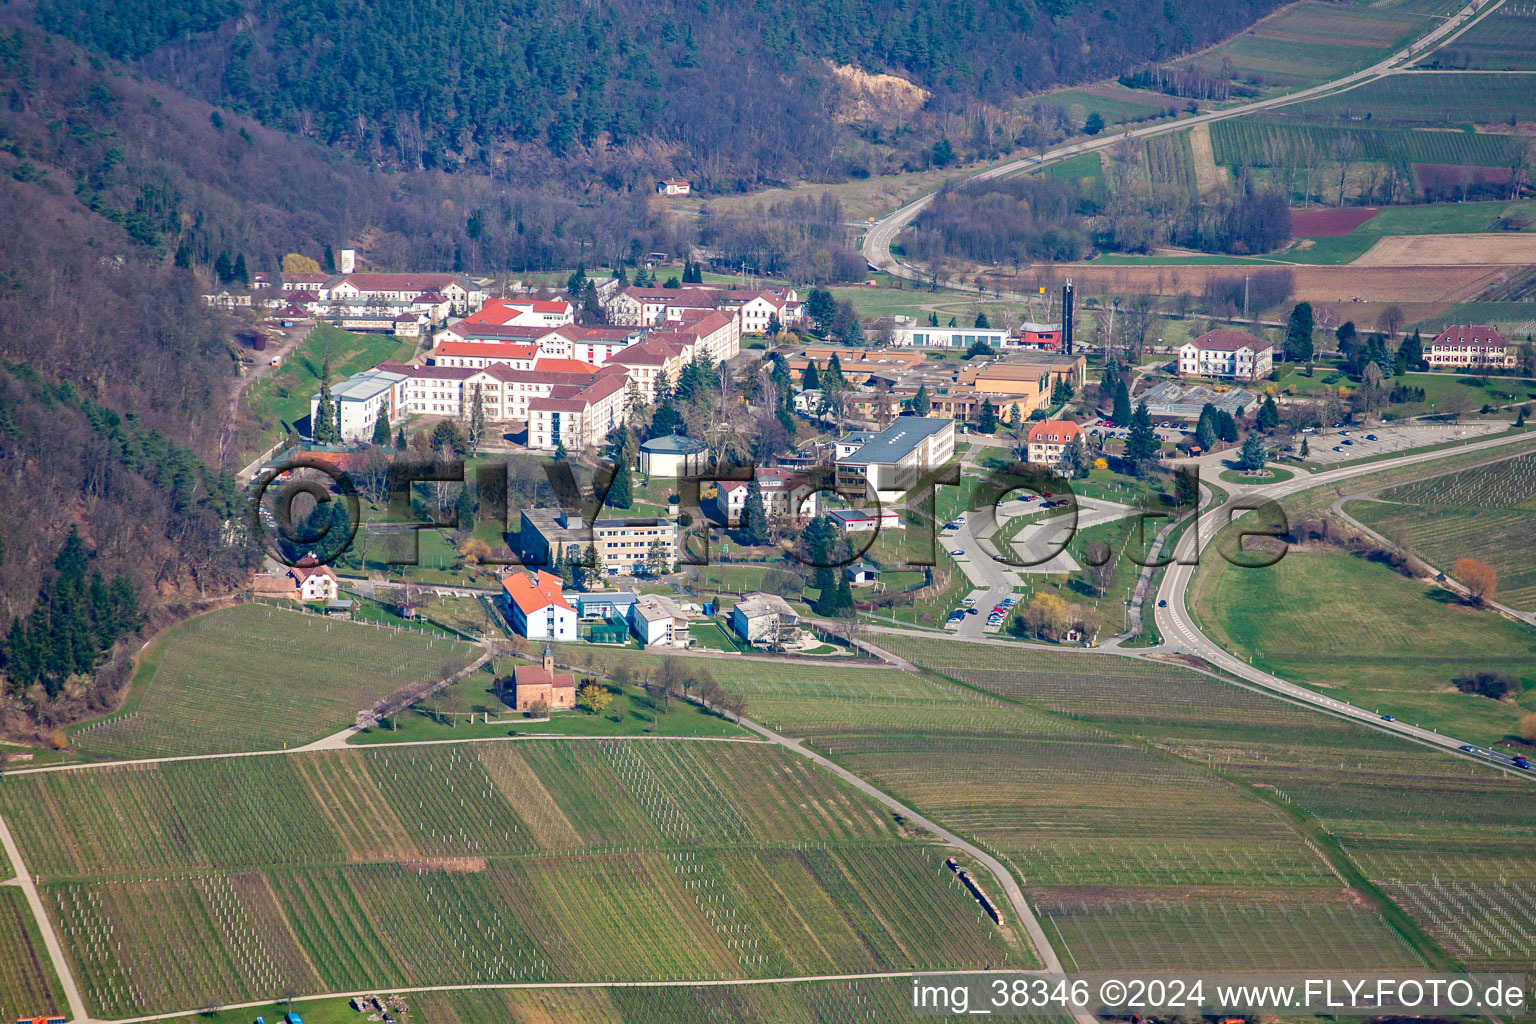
1181	633
876	247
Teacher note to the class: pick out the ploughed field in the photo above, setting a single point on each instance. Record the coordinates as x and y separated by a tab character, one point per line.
181	884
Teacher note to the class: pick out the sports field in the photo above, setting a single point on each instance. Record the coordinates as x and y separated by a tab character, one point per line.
1487	513
224	880
258	677
1368	635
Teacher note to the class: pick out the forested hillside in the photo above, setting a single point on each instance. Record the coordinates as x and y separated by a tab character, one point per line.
730	93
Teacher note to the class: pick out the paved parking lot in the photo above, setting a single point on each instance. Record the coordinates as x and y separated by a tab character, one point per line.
1389	439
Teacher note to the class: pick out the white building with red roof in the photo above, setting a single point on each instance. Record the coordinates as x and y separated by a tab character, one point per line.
462	294
1471	347
1223	353
524	313
1049	441
536	607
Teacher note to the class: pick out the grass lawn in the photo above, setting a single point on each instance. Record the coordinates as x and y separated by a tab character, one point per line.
1270	475
283	397
1366	634
258	677
712	636
632	713
1441	388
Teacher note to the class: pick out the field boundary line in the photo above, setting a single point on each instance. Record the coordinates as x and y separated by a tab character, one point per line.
61	968
504	985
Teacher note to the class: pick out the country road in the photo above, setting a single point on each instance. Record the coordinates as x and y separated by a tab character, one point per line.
1181	634
876	246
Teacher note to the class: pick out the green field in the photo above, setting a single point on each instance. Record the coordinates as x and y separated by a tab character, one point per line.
1114	105
283	396
1488	514
258	677
1253	141
1366	634
237	879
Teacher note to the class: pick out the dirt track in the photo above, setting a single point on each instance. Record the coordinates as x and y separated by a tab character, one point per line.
1450	250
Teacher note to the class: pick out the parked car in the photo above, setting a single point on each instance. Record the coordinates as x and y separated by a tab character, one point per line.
1371	437
1338	447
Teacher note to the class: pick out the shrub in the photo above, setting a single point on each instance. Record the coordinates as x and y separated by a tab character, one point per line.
1493	685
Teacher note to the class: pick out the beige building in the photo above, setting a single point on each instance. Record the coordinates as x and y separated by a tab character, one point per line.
1469	347
623	545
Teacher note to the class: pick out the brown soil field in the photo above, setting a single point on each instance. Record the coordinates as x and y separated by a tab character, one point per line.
1329	223
1450	250
1313	284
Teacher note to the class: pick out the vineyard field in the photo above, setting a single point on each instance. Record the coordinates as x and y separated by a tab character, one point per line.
256	677
1255	141
1313	41
480	862
1504	40
1428	99
27	983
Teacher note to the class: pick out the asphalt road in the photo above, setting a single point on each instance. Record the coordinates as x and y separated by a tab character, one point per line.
876	247
1182	634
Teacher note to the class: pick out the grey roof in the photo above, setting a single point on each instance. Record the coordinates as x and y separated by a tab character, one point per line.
898	440
672	444
360	387
1171	399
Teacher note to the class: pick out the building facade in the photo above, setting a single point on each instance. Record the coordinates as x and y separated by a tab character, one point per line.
1234	355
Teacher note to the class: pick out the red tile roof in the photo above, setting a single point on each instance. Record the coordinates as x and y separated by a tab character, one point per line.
536	675
1053	432
1229	341
1468	334
534	593
486	349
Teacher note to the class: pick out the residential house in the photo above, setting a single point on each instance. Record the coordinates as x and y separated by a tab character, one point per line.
1049	440
659	621
1235	355
304	582
765	620
673	187
536	607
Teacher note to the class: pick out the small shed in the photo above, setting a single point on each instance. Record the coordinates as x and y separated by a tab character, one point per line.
343	608
861	572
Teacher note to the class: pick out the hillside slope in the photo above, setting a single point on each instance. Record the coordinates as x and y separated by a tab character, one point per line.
731	94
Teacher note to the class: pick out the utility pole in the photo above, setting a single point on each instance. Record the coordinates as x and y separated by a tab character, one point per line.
1246	279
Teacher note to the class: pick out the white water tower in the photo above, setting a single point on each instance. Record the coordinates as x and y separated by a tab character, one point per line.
348	262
